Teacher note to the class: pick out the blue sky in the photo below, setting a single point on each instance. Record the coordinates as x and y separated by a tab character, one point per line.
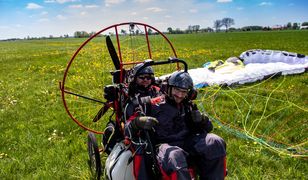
36	18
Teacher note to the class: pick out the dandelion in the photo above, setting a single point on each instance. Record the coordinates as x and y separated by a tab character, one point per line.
54	132
3	155
13	102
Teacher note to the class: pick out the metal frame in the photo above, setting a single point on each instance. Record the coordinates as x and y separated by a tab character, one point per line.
115	26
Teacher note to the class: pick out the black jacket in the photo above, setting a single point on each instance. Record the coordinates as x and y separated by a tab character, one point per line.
175	122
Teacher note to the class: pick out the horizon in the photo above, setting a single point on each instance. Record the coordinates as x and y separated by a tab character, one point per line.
44	18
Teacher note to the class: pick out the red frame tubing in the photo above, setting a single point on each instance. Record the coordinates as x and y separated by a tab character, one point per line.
62	84
147	37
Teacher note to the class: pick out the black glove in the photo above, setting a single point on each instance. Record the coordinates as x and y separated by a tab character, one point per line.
144	122
196	116
206	123
202	119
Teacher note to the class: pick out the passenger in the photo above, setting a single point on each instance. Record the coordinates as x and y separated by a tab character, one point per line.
181	134
141	85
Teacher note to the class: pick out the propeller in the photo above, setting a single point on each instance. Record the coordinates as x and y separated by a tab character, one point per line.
113	53
102	111
116	62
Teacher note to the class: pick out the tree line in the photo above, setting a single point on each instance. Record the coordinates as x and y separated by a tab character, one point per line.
226	22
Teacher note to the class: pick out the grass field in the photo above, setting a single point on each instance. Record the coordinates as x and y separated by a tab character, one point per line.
39	141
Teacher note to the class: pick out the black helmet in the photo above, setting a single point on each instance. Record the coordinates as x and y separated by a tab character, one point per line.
146	70
181	80
134	72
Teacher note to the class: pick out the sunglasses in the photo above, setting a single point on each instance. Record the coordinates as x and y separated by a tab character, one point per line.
145	77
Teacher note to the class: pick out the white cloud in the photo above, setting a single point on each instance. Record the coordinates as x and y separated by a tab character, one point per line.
193	10
75	6
59	1
49	1
33	6
64	1
4	27
43	20
224	1
44	13
113	2
78	6
265	4
61	17
142	1
154	9
78	14
18	26
91	6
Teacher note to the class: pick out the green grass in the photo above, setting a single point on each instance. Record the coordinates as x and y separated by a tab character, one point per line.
38	139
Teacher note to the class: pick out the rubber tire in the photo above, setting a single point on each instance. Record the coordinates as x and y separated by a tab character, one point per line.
94	156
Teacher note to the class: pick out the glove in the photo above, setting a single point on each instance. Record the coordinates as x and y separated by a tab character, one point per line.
206	123
144	122
202	119
196	116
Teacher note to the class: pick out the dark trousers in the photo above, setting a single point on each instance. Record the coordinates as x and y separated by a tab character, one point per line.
206	152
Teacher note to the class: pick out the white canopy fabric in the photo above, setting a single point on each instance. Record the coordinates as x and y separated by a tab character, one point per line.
257	64
272	56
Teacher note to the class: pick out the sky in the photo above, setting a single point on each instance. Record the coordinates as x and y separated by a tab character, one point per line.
42	18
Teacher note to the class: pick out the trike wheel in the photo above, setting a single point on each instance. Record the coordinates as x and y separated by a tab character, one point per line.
95	160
